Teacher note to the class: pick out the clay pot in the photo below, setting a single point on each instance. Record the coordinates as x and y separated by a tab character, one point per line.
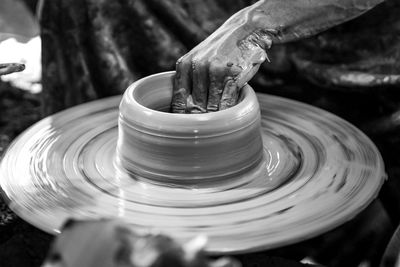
185	148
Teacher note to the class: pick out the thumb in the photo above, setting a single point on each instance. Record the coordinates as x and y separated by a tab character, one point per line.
251	67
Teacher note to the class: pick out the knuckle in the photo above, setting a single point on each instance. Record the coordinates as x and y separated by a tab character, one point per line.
183	62
199	64
179	61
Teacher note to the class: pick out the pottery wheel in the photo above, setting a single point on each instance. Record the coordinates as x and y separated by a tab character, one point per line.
319	172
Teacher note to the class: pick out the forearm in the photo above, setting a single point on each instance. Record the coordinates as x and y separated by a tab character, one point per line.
280	21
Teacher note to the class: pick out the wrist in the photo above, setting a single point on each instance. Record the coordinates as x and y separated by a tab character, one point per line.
259	37
247	28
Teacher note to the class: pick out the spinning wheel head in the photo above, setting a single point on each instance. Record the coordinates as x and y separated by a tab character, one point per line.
312	170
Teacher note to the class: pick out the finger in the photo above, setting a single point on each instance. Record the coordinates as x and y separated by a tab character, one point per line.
216	77
230	94
182	85
255	60
193	108
199	86
247	74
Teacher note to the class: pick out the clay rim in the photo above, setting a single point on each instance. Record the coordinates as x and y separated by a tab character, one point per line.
134	113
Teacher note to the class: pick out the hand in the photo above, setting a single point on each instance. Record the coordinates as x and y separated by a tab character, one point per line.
210	76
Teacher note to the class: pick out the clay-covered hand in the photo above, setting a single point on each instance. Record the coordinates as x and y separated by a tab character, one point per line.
209	77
